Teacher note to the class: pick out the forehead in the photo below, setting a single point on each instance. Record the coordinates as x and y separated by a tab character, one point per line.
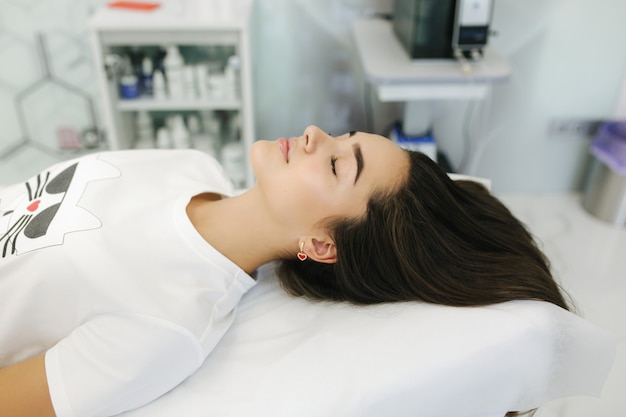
383	160
379	149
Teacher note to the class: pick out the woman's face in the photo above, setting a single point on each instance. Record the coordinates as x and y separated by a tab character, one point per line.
310	178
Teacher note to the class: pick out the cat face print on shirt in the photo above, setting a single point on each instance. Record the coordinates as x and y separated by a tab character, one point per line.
47	208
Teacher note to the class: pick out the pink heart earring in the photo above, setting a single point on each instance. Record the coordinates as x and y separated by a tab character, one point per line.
301	255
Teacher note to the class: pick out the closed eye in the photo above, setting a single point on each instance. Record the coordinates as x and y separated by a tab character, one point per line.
333	161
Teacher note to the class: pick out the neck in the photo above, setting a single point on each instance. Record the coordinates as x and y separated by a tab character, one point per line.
239	228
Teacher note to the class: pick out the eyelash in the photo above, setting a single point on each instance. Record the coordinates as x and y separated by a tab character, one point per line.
333	160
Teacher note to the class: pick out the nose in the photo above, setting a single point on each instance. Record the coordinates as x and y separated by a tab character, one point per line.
313	136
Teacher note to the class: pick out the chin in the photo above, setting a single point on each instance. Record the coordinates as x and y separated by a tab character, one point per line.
259	157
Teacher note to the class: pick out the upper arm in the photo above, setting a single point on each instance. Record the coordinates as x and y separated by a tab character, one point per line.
110	364
24	389
117	362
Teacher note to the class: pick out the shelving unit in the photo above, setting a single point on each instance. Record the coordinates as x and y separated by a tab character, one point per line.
200	37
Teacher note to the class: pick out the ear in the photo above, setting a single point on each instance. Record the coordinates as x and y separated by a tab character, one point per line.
321	250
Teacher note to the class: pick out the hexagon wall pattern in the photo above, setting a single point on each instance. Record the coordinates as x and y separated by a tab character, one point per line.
46	82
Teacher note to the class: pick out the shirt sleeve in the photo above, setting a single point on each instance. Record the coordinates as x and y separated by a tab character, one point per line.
117	362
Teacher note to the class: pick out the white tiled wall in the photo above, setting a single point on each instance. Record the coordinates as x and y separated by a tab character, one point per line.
47	92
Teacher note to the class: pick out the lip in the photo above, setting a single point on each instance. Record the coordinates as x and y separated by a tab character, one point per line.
283	144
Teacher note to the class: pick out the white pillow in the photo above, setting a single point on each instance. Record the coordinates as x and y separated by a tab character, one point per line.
289	357
486	182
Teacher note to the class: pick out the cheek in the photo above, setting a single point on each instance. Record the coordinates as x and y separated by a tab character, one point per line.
303	200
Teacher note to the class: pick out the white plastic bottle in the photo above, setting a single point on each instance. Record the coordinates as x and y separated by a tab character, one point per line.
180	134
146	77
159	91
144	131
193	125
163	140
212	127
174	72
231	74
234	162
190	82
201	77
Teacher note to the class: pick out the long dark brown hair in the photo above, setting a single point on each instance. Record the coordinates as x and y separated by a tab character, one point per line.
431	239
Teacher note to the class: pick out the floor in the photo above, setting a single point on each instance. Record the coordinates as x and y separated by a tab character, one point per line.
589	258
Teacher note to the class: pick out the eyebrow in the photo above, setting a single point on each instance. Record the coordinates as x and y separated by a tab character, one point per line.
359	160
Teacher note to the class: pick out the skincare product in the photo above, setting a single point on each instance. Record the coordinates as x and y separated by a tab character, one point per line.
146	77
174	68
200	138
144	131
129	83
211	124
233	160
201	72
193	126
231	74
190	82
218	86
180	134
164	140
158	86
215	79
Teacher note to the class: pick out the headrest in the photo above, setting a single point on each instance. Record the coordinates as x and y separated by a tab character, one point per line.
288	357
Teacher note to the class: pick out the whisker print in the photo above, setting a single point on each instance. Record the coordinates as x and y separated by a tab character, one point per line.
13	231
43	187
30	192
17	234
39	187
16	224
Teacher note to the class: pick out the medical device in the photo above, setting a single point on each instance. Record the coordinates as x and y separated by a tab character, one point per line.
431	29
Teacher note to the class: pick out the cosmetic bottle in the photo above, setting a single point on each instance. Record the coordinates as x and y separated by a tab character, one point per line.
218	86
234	127
190	82
163	140
211	141
233	161
211	124
158	86
180	134
147	77
174	68
200	138
201	73
144	131
129	82
193	127
215	80
231	75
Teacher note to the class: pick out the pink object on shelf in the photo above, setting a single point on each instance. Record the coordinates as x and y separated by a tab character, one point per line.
134	5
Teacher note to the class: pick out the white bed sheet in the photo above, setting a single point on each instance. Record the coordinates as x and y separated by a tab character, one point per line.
290	357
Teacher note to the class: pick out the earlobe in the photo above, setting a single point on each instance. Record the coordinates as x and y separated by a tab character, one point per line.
323	251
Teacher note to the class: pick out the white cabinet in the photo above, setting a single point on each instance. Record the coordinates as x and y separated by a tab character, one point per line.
177	80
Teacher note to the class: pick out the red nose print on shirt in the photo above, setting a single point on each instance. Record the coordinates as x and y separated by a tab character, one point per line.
33	206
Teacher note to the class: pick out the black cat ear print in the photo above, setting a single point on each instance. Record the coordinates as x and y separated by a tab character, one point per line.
37	224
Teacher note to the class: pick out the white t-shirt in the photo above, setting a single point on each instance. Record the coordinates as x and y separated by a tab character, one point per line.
101	268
